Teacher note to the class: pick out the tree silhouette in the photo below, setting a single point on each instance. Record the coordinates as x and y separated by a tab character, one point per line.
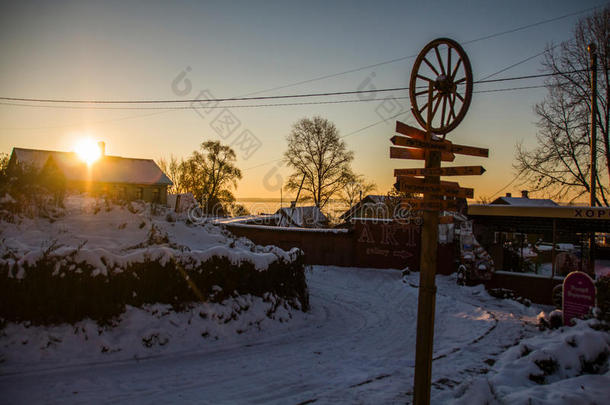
559	166
319	159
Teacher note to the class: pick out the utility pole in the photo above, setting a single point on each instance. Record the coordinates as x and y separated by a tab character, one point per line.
593	65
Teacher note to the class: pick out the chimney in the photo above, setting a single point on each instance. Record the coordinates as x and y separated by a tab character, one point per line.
509	195
102	146
524	194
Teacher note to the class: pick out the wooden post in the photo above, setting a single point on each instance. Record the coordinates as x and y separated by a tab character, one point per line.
427	288
593	62
553	249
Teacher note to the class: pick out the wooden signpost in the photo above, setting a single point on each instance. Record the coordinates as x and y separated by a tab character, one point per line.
444	146
442	171
419	204
448	99
417	154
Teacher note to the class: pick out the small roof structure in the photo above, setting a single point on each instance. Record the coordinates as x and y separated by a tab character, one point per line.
524	201
302	217
107	169
371	202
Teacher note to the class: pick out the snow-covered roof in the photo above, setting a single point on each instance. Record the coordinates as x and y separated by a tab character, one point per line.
369	199
108	169
309	216
524	202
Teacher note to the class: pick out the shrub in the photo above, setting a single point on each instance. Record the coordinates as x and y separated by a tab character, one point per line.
603	297
58	289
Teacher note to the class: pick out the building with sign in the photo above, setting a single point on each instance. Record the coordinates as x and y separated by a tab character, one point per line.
528	274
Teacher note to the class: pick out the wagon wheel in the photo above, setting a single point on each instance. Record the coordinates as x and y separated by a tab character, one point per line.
443	63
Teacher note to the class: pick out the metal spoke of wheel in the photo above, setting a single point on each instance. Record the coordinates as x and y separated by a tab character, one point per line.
438	102
451	106
443	112
448	59
440	61
426	105
457	66
431	66
425	78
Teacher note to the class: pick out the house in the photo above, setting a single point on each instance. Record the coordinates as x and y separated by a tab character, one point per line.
524	200
371	206
301	217
114	176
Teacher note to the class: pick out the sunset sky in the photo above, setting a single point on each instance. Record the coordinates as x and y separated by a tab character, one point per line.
128	50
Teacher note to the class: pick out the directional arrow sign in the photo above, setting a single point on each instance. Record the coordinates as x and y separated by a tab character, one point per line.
443	171
437	190
408	130
420	181
418	154
444	146
418	204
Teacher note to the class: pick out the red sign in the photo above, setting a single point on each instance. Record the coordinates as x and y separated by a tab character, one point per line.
578	296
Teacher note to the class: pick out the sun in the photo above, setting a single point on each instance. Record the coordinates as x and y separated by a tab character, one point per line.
88	151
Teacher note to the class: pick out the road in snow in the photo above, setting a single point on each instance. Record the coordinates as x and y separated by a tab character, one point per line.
356	345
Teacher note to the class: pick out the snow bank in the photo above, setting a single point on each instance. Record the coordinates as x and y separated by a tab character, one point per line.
96	257
568	365
141	333
110	237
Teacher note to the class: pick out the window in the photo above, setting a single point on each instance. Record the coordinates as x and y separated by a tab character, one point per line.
155	195
139	193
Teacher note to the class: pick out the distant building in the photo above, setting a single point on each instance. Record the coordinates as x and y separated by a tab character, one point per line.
371	206
114	176
301	217
524	201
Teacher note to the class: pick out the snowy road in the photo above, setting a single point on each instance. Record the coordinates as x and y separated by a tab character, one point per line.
355	346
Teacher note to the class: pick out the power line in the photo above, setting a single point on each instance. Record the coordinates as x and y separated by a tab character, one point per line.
342	137
276	97
524	27
69	107
399	59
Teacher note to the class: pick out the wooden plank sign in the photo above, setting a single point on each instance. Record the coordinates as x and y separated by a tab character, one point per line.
437	190
418	204
418	154
442	171
420	181
444	146
408	130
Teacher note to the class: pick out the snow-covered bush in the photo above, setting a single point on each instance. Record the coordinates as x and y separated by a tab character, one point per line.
602	286
59	288
548	369
95	260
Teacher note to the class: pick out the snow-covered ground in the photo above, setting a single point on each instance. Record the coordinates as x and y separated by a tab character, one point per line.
356	345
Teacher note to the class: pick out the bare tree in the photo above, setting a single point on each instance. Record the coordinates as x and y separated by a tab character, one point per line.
355	187
319	159
171	168
559	165
210	174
